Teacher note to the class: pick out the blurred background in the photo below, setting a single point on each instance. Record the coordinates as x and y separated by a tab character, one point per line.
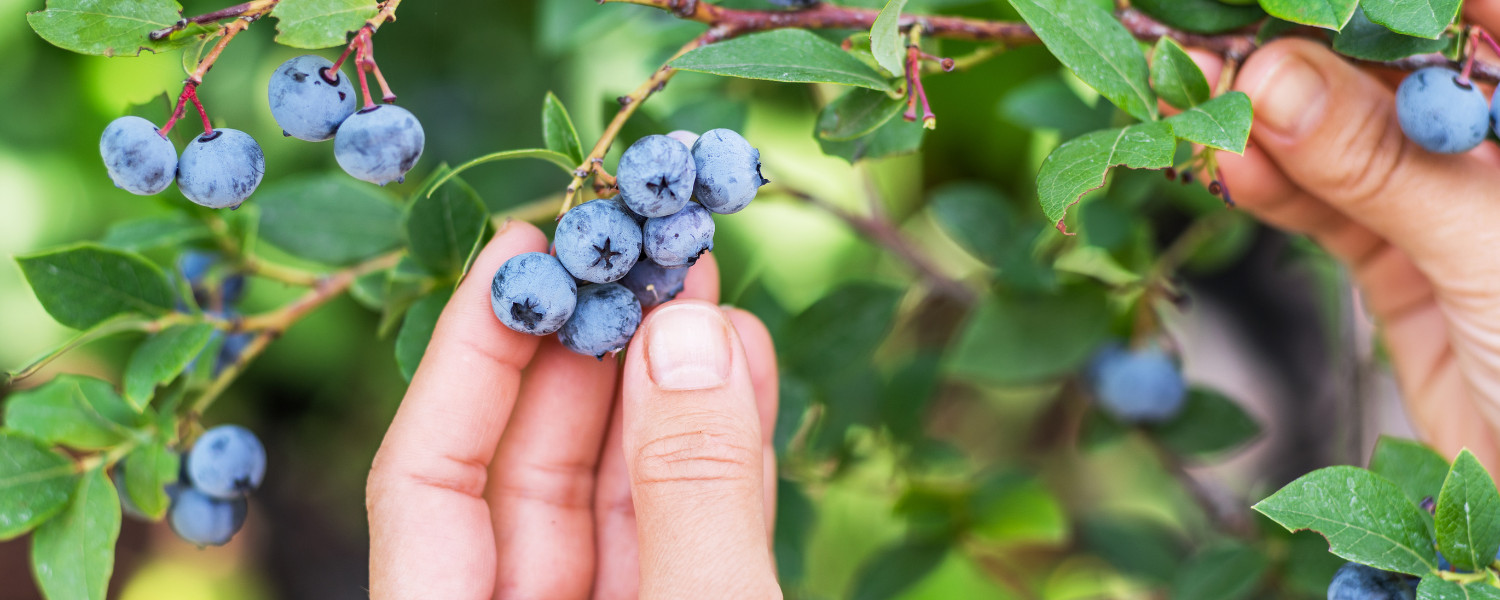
1266	319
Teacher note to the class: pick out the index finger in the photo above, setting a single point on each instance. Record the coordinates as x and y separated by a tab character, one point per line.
430	533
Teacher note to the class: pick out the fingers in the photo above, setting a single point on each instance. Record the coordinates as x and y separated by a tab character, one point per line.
541	488
694	451
429	525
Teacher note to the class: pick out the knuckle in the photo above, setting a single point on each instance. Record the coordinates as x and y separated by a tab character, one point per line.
698	450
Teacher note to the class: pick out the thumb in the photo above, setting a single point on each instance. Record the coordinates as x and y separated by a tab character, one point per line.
693	447
1332	129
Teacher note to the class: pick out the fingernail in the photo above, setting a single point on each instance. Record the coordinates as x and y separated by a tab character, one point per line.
688	347
1291	98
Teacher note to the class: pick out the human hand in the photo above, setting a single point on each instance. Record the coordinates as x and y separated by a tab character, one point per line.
506	473
1418	230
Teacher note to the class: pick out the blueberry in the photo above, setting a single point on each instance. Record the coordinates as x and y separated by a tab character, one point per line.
138	158
654	284
606	317
231	289
598	241
303	101
1355	581
532	293
678	240
656	176
220	169
639	220
1441	114
229	353
194	266
686	137
226	462
728	171
1138	386
204	520
379	144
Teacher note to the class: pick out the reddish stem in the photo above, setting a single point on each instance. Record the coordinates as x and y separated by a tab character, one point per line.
1463	77
354	43
1485	35
189	93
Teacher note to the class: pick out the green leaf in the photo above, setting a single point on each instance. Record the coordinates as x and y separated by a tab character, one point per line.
107	28
330	219
1135	545
1230	571
1437	588
320	23
1201	16
1420	18
1415	468
896	136
978	217
1097	48
842	329
1222	123
561	160
35	484
1017	509
1365	518
1363	39
1047	102
441	225
1468	515
155	232
148	470
857	113
1328	14
790	55
160	359
897	568
1209	424
886	43
83	285
1024	338
1095	262
1079	166
73	410
416	330
796	519
1175	77
557	129
73	554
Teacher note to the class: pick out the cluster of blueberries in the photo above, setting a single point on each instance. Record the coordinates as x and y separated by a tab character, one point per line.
217	299
614	257
221	168
1443	112
208	503
1137	385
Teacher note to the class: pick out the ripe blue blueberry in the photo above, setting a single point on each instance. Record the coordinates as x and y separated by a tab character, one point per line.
1138	386
1441	114
532	293
194	265
379	144
598	241
1355	581
605	318
654	284
229	353
656	176
138	158
305	102
678	240
728	171
226	462
220	169
203	520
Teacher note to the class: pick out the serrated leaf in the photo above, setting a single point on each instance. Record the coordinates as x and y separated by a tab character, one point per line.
107	27
155	232
1222	123
857	113
1227	572
1175	77
1201	16
160	359
1024	338
1080	165
1365	518
1328	14
557	129
1088	40
320	23
897	568
83	285
1364	39
73	410
442	224
885	38
1468	515
978	217
1437	588
416	330
148	470
73	554
790	55
1420	18
330	219
1209	424
35	484
1416	469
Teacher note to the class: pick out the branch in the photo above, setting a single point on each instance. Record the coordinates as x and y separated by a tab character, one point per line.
103	330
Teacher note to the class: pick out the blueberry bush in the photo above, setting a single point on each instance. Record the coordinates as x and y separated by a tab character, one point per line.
982	393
